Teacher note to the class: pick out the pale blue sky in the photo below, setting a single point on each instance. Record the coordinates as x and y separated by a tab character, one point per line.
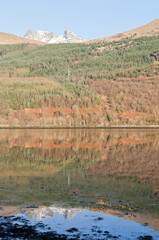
88	18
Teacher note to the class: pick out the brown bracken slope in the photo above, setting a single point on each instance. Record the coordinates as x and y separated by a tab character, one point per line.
150	29
6	38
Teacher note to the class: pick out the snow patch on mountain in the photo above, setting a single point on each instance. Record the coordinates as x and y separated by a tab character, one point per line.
49	37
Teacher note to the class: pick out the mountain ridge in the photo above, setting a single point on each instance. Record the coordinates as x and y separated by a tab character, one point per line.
8	38
147	30
39	37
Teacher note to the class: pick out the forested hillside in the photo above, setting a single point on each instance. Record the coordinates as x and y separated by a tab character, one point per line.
100	84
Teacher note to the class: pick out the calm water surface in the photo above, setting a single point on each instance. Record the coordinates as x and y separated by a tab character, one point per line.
79	184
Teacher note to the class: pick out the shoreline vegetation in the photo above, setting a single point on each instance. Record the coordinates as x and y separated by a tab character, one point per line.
87	127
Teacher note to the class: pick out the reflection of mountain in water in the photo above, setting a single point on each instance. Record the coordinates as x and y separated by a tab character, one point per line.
48	212
81	168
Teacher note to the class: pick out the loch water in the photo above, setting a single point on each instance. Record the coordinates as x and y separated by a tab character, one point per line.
79	184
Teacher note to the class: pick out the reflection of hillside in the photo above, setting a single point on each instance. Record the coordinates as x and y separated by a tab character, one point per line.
75	139
100	151
84	168
49	139
140	159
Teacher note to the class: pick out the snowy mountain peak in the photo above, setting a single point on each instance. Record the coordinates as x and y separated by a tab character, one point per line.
68	32
39	35
49	37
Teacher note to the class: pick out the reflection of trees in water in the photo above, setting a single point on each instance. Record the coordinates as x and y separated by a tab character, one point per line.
79	189
133	158
100	151
19	157
80	167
